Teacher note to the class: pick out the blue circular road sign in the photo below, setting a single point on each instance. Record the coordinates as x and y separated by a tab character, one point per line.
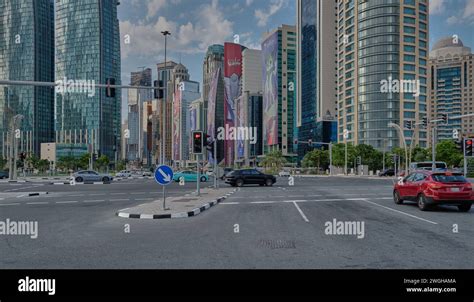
164	175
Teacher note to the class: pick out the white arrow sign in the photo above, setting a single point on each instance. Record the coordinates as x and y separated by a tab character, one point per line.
166	177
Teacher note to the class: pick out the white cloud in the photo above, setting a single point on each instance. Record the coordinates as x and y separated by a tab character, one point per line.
464	17
437	6
264	15
248	2
210	27
469	10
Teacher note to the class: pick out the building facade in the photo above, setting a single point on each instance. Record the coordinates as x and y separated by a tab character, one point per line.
137	148
382	69
279	91
316	57
450	88
213	93
87	41
27	54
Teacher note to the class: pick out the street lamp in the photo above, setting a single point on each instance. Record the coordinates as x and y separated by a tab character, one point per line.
165	96
402	136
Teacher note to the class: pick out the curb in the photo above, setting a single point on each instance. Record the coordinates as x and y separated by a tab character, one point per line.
189	214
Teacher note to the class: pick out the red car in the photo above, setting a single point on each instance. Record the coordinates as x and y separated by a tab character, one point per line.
435	188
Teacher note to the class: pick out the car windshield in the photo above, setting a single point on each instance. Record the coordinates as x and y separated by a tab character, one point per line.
444	178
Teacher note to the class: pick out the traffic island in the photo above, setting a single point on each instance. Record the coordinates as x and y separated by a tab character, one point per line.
178	207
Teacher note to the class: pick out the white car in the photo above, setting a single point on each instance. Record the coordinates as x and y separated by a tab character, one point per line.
124	174
284	174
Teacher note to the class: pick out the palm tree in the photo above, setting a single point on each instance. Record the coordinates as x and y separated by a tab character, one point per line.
274	160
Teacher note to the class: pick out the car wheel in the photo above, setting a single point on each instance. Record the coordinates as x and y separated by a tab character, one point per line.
79	179
105	179
422	203
396	198
465	207
203	179
239	183
269	182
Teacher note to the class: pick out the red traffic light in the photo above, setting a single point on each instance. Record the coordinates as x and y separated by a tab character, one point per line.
469	142
197	135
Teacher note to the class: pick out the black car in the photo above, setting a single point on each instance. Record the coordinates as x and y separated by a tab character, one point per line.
3	174
387	172
238	178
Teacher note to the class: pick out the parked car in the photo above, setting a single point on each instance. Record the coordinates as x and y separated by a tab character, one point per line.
226	171
435	188
284	174
124	174
387	172
88	175
190	176
440	166
3	174
238	178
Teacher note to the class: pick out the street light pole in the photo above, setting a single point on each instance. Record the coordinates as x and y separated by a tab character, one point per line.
165	95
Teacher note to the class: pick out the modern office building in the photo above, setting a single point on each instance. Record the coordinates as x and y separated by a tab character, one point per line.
451	75
279	91
27	54
170	76
382	69
87	41
316	108
213	93
185	93
137	148
248	108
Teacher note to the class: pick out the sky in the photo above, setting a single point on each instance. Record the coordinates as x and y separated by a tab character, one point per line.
196	24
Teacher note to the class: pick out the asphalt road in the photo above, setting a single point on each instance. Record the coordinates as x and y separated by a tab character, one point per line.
258	227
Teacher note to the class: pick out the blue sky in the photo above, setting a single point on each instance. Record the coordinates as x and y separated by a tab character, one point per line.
195	24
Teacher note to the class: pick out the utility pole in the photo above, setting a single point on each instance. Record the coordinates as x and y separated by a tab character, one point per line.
165	95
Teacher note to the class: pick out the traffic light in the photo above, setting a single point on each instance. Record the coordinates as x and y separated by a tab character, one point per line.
198	142
209	143
359	161
409	125
295	142
424	122
459	145
444	118
310	142
110	91
468	147
22	156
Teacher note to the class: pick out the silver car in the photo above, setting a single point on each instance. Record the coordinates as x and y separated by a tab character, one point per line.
88	175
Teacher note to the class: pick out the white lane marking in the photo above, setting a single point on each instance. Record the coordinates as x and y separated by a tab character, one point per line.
90	201
66	202
144	199
37	203
9	204
119	199
139	193
96	194
231	203
80	195
263	202
118	194
397	211
301	212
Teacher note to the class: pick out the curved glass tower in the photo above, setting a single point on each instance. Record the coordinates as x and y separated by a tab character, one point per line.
88	49
382	70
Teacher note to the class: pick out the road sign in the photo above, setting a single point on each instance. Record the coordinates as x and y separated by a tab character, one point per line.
164	175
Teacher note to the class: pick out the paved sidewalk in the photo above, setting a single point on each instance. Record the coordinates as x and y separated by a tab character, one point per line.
178	207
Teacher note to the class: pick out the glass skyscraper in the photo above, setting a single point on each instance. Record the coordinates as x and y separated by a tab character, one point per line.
88	49
27	54
316	95
382	42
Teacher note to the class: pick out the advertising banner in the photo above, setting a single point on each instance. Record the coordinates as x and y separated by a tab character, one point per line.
177	125
270	89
